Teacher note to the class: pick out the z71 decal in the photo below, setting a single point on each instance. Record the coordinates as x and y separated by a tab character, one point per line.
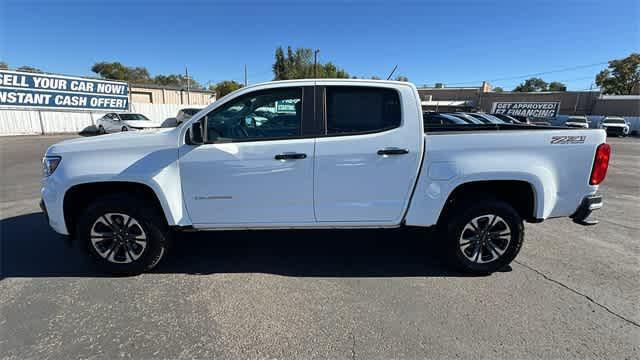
568	139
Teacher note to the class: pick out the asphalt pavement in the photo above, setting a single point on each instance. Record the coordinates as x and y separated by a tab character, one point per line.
573	292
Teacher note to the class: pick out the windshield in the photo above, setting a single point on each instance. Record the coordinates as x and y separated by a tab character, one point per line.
480	118
467	118
614	121
190	112
578	119
133	117
492	118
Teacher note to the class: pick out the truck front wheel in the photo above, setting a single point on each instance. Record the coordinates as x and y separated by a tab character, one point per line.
122	234
484	235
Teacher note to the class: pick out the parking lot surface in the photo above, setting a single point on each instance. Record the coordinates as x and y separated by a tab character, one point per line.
573	292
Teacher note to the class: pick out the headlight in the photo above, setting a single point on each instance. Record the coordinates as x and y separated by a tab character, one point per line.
49	164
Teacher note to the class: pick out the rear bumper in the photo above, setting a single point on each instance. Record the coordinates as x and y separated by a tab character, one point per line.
587	206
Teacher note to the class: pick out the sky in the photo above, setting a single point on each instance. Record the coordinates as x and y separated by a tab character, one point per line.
455	42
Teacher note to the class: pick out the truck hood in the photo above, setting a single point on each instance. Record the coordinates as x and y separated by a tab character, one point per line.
615	125
141	124
114	144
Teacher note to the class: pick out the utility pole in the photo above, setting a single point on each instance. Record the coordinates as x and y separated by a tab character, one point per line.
245	75
186	74
315	63
590	98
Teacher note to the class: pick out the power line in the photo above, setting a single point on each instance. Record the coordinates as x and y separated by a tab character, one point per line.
532	74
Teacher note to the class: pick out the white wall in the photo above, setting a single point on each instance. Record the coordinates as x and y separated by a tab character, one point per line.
34	122
160	112
17	122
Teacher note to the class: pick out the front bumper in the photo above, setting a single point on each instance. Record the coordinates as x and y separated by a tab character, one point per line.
43	207
51	205
587	206
613	130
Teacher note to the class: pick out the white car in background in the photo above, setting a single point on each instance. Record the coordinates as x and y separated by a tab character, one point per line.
577	122
116	122
615	125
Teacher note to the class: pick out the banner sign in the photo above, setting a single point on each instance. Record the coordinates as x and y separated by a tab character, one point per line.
32	90
534	109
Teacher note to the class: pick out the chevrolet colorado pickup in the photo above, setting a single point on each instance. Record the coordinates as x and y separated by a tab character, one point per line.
318	154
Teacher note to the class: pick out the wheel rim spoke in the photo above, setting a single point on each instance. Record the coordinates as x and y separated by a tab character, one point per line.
485	238
118	238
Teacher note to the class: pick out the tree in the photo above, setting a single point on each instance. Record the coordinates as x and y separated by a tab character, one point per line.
4	65
402	78
622	76
498	89
117	71
532	85
224	87
176	81
298	64
439	85
557	86
27	68
375	78
140	75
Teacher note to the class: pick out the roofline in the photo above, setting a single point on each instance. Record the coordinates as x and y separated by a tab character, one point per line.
168	87
320	80
450	88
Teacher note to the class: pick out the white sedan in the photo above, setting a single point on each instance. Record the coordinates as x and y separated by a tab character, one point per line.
116	122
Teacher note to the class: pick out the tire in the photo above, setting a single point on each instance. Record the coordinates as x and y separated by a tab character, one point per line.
498	247
124	128
124	250
101	130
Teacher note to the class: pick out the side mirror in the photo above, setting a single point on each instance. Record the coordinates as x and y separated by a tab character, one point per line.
195	134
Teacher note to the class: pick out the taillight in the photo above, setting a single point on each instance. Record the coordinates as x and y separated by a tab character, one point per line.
600	164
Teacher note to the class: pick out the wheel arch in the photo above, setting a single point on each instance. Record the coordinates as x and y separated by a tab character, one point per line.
520	194
78	197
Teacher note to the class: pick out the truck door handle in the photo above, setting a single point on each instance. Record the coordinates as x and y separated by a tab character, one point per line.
290	156
392	151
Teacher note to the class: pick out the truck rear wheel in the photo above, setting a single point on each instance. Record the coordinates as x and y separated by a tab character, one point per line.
484	236
123	235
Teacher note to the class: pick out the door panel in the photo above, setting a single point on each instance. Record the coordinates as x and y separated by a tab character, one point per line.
367	164
354	183
258	168
243	183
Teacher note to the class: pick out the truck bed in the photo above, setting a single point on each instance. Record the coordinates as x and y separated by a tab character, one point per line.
488	127
555	161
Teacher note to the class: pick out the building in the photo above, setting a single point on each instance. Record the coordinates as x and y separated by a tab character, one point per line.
157	94
482	98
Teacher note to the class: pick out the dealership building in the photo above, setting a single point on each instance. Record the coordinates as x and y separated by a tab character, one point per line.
548	104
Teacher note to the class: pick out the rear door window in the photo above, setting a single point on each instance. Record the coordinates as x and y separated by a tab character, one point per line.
356	109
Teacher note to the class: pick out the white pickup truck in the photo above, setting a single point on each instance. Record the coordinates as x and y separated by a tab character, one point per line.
318	154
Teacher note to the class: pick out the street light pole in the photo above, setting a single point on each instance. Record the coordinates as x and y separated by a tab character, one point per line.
315	63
